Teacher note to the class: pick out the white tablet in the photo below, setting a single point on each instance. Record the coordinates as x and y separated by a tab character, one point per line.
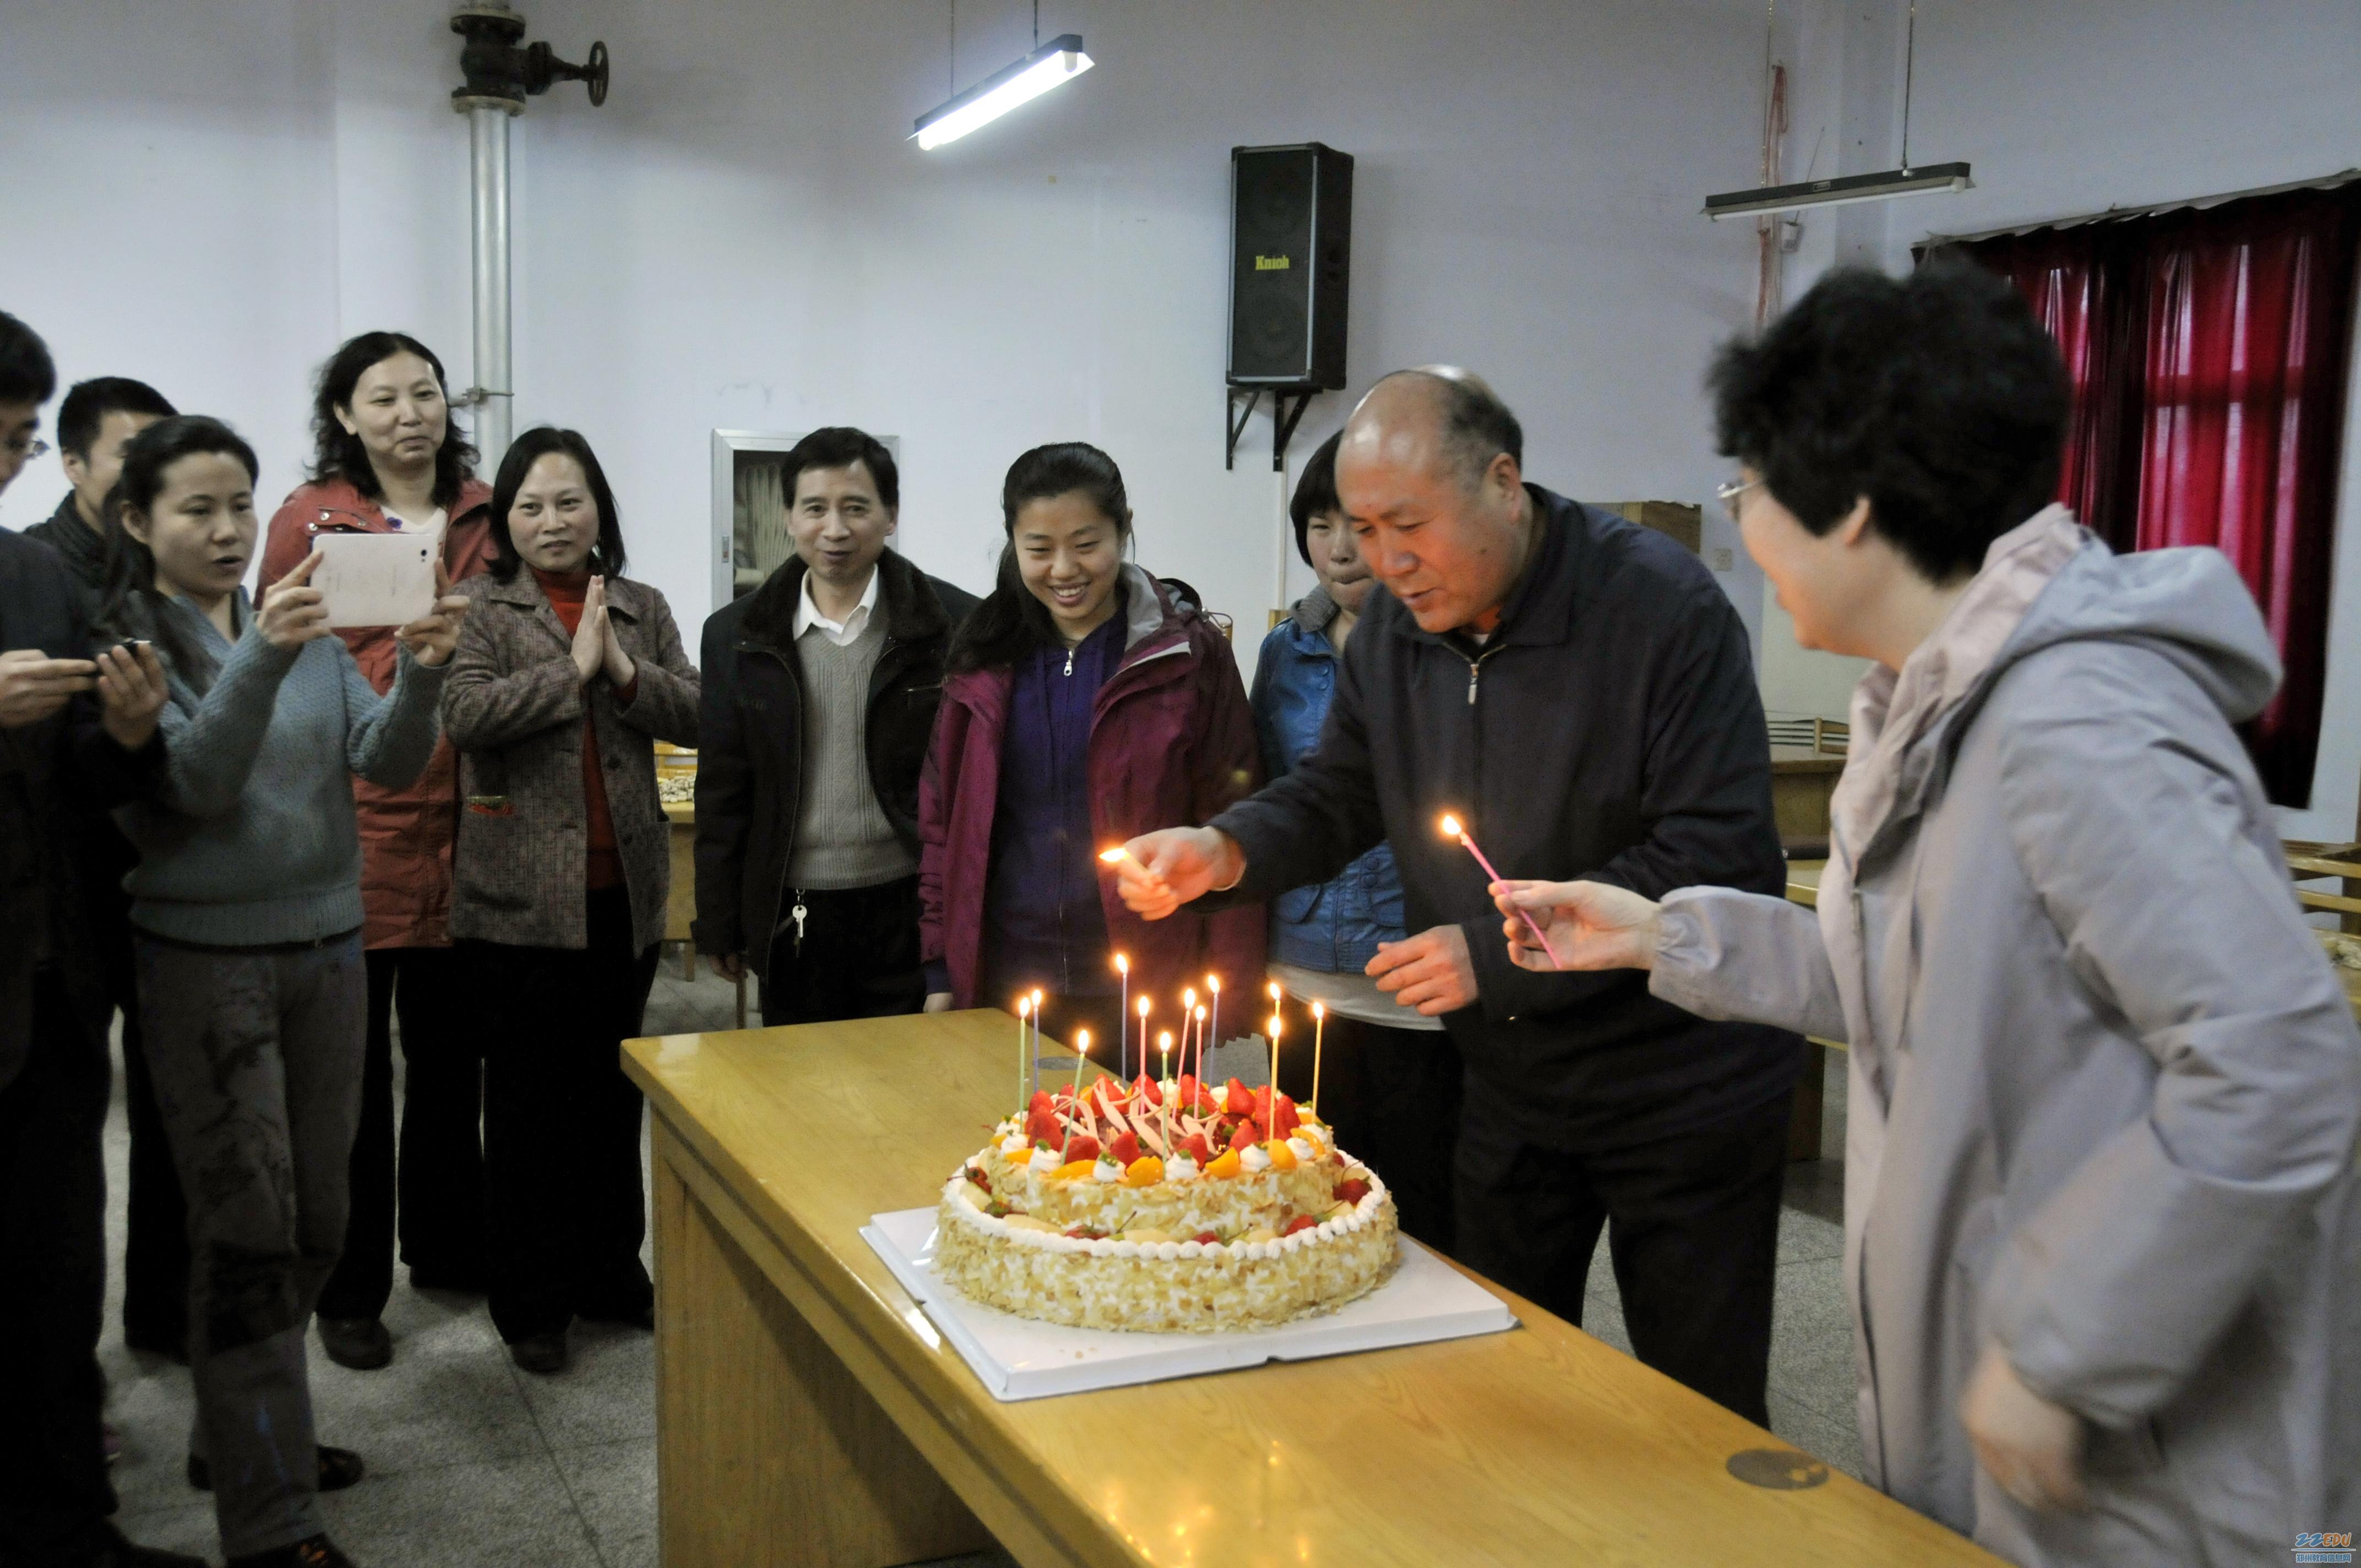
375	579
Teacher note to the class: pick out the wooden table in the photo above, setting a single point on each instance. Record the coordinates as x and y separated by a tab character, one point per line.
810	1413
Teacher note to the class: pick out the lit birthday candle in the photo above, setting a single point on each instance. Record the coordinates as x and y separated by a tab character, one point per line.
1082	1060
1123	1013
1122	1068
1024	1007
1187	1016
1033	1056
1164	1053
1452	829
1319	1030
1213	984
1271	1131
1201	1050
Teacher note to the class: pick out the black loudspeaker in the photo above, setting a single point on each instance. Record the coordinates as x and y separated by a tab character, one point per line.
1290	260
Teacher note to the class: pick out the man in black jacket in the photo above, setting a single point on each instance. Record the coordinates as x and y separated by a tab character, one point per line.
57	745
96	418
818	704
1579	692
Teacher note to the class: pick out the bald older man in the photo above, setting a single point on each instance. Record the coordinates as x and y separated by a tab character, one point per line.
1580	691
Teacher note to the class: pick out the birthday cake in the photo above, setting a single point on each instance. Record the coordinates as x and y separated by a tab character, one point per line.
1164	1208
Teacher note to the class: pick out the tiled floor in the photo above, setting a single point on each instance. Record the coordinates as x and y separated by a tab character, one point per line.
472	1462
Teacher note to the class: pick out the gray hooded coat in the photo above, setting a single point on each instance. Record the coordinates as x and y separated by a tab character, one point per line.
2105	1086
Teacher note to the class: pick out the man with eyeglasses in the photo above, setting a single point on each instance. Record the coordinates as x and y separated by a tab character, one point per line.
1577	691
73	731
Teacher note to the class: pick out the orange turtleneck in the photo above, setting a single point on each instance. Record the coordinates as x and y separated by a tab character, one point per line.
565	592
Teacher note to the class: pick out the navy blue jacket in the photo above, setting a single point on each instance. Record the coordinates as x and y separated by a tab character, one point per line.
1332	927
1612	729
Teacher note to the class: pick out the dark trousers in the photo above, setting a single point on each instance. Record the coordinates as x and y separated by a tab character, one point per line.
440	1181
561	1124
1692	1226
156	1238
257	1058
857	957
1393	1097
54	1495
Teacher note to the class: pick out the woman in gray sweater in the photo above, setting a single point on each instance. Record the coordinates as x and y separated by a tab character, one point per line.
247	912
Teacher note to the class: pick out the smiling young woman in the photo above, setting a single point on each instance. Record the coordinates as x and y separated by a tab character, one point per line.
388	460
1084	700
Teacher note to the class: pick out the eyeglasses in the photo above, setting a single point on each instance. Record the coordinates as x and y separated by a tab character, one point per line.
1728	492
26	451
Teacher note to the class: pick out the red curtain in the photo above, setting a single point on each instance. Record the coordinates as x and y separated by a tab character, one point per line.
2209	352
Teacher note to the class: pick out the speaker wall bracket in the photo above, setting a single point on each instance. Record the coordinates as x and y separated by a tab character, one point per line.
1284	417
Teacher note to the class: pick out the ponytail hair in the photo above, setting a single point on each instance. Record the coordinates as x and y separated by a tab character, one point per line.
1011	621
134	609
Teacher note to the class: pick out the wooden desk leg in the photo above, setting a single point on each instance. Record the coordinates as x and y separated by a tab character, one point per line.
768	1451
1803	1126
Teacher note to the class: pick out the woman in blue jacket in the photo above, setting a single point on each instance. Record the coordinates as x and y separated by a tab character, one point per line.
1389	1078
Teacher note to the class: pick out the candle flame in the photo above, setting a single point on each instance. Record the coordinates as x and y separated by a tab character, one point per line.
1024	1005
1122	964
1142	1007
1114	855
1164	1040
1036	997
1201	1014
1274	1026
1083	1042
1275	992
1187	998
1451	828
1213	983
1318	1010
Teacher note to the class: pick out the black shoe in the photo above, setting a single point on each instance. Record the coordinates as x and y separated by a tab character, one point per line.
120	1554
317	1552
544	1354
339	1468
360	1343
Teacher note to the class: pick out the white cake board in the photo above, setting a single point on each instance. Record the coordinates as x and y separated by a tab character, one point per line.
1019	1359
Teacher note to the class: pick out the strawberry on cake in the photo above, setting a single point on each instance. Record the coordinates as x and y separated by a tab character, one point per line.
1164	1208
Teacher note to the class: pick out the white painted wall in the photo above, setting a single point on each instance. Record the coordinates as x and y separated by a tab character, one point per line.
2070	109
211	194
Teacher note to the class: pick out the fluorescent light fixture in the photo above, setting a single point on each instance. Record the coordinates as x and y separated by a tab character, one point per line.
1060	60
1840	192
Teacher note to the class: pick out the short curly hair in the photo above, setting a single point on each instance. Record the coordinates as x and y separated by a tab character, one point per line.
1938	397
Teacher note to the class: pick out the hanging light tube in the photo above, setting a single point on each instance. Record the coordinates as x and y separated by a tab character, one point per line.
1842	191
1060	60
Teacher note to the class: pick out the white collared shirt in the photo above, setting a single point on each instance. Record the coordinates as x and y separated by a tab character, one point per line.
840	632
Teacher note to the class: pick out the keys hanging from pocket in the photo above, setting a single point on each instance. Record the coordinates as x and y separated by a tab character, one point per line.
796	915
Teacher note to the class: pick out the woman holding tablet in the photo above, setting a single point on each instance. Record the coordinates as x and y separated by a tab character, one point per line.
568	677
246	908
387	461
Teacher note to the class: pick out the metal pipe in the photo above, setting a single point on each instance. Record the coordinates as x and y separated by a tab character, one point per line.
487	131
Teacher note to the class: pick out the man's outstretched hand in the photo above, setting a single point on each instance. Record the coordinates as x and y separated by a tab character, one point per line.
1169	868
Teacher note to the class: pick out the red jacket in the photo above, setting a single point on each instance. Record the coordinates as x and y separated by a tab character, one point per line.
1173	743
405	833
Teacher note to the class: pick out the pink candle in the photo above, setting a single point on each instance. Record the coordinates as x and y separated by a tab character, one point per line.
1451	829
1213	984
1319	1029
1122	1068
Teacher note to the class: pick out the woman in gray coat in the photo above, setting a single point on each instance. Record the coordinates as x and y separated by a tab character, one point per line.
567	676
2102	1236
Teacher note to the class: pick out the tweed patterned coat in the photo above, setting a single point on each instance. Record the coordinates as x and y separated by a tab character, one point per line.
513	705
